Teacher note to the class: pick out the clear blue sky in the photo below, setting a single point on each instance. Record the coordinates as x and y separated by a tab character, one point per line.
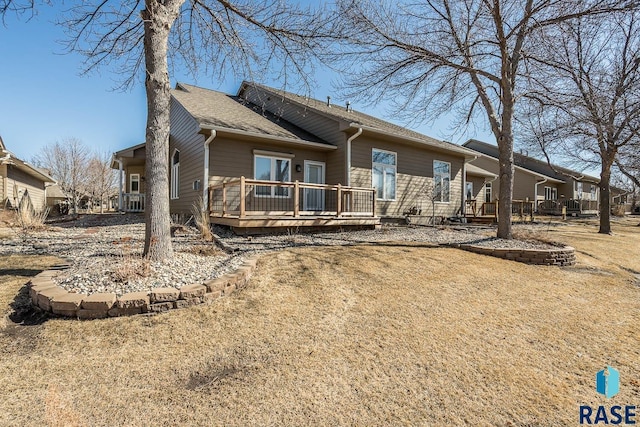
43	98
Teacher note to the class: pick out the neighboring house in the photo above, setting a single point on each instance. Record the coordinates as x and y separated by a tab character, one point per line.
56	200
21	182
550	187
479	193
316	163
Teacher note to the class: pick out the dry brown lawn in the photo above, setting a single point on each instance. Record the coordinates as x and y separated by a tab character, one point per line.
368	335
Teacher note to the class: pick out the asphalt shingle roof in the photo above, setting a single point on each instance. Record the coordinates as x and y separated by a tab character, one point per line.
213	108
530	163
341	114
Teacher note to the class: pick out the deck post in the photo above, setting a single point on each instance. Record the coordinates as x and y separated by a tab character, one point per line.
339	201
224	198
242	197
496	213
373	203
296	199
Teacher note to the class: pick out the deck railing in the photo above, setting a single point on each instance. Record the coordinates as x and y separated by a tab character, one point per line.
555	207
521	208
133	202
245	197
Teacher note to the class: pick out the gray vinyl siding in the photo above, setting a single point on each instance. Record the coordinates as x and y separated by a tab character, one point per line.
336	166
233	158
190	143
414	177
18	182
3	187
314	123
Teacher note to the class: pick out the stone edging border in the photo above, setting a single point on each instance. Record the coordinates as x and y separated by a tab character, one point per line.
562	257
49	297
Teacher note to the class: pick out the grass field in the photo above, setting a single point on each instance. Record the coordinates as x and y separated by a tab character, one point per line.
367	335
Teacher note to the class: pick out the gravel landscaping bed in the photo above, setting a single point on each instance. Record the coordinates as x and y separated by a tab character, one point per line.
104	251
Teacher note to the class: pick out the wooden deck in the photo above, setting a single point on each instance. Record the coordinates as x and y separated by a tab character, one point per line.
487	212
249	205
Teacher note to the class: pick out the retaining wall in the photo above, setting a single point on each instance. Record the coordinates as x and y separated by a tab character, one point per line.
49	297
561	256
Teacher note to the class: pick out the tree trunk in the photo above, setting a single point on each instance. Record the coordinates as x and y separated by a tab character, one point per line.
505	147
158	19
605	197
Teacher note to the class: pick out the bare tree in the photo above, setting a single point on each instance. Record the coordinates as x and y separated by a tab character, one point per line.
102	180
440	54
218	35
588	103
68	161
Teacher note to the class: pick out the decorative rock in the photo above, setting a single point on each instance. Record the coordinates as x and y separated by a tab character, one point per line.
192	291
164	295
99	302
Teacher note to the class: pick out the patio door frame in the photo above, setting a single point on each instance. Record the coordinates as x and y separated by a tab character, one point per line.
309	191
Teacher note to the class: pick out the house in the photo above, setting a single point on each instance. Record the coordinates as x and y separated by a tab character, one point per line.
56	200
21	182
550	187
269	158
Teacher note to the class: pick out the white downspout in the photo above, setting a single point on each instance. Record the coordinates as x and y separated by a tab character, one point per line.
535	193
205	179
463	208
120	169
349	141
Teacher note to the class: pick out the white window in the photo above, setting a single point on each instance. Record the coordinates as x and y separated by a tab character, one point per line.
383	174
175	174
550	193
470	191
578	190
594	195
487	193
134	183
442	181
268	168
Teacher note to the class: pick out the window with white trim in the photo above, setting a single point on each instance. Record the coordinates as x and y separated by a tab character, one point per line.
267	168
550	193
134	183
578	190
470	194
487	193
442	181
594	195
175	174
383	173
